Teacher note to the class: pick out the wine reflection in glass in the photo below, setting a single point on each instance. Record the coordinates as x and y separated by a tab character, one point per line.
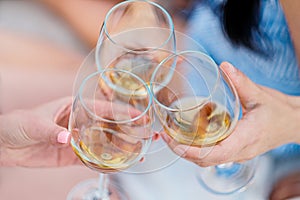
136	36
199	107
111	128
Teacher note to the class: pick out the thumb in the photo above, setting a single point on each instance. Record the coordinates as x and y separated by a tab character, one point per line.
57	135
46	131
247	90
61	137
51	121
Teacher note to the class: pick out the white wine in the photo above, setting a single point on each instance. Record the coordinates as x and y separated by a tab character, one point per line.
140	64
127	85
106	148
201	126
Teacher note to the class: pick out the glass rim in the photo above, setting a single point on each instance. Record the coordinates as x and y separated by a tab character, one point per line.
237	108
100	73
170	23
203	55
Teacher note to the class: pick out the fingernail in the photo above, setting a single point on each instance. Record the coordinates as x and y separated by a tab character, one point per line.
156	136
179	150
63	137
205	152
165	137
230	67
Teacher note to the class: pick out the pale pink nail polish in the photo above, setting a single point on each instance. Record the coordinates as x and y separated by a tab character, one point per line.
180	150
63	137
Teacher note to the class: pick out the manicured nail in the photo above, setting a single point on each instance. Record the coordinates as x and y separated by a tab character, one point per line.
230	67
165	137
179	150
204	151
156	136
63	137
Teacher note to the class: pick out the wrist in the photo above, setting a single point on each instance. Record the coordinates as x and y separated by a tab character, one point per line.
297	112
294	101
1	141
5	156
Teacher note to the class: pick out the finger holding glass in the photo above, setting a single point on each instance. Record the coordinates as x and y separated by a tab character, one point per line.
136	36
110	131
196	107
199	108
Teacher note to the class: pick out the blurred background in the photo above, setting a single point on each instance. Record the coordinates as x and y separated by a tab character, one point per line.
39	56
42	44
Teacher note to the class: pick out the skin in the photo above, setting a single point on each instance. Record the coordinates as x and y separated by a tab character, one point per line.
27	71
263	108
34	143
87	25
291	10
287	187
269	111
29	138
38	137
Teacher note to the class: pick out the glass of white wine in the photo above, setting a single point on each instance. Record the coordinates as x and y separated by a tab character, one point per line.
199	107
111	128
136	36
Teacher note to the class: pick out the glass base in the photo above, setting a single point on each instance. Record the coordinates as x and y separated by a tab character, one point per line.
88	190
227	178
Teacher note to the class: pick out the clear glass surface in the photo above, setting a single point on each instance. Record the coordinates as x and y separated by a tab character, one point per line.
199	107
136	36
111	127
89	189
228	178
159	155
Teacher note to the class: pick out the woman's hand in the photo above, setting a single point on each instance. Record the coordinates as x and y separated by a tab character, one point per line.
270	119
37	137
287	187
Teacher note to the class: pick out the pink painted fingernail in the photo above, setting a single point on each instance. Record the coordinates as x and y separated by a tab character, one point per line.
63	137
156	136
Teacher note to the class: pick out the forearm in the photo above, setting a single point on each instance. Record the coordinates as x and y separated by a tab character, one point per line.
294	102
84	16
1	144
292	15
4	158
31	76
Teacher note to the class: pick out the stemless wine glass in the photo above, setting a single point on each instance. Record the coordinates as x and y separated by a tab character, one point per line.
111	128
199	107
136	36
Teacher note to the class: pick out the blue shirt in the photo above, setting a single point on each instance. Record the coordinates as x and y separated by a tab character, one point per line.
279	70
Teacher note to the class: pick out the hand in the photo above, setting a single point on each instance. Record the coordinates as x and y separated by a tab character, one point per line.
37	137
287	187
270	119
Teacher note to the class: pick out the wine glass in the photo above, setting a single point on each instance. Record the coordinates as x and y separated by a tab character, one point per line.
136	36
199	107
111	127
